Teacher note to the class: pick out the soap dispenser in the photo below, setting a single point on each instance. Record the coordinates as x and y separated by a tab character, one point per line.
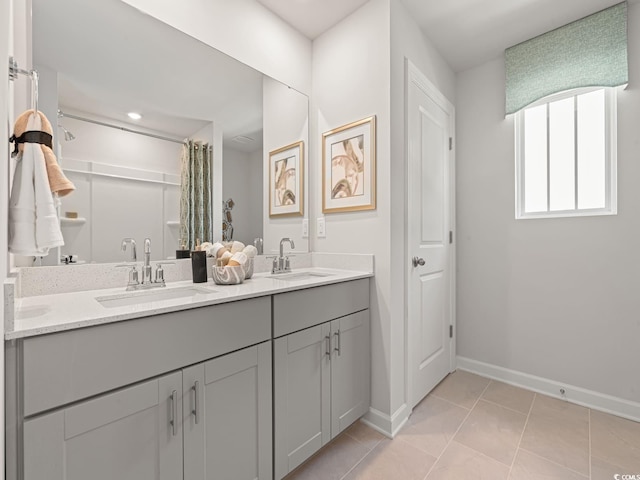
199	264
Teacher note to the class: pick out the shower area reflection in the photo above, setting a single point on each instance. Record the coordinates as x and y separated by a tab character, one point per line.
128	185
68	136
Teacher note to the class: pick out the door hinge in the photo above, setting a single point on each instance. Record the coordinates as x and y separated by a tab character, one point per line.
450	331
450	236
450	143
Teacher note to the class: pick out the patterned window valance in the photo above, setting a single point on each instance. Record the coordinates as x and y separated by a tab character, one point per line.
589	52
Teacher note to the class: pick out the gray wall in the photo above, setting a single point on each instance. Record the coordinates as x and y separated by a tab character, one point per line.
556	298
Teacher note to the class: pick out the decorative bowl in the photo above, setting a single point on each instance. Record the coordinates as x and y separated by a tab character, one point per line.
248	268
229	275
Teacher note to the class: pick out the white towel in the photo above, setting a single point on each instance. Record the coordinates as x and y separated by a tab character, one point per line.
34	227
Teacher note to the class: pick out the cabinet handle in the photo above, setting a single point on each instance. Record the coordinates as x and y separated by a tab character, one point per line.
173	413
337	349
328	350
196	401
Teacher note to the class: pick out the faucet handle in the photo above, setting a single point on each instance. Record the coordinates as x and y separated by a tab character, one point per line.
274	266
133	274
159	277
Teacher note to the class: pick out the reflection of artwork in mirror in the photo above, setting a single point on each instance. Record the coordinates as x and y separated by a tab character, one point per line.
227	220
285	180
349	167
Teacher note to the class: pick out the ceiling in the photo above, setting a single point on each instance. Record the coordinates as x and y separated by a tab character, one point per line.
466	32
312	17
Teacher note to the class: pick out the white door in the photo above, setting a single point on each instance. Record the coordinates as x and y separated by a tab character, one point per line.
430	259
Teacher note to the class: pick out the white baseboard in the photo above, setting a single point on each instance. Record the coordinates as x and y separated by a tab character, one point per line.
387	425
581	396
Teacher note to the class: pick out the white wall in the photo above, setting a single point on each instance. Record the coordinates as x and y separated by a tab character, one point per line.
6	103
243	29
351	81
15	28
285	115
556	298
242	181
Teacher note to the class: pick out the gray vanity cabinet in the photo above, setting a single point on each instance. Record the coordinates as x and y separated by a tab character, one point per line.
302	394
217	412
120	401
321	373
132	434
227	416
350	370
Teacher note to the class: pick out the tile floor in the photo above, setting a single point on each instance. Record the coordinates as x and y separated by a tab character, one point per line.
474	428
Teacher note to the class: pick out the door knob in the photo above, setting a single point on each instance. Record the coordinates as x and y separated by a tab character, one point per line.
417	261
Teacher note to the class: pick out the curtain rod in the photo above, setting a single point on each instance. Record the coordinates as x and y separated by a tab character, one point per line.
62	114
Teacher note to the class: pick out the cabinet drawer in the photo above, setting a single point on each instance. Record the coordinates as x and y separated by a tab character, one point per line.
302	309
65	367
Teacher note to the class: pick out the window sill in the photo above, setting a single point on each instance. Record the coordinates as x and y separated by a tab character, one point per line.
567	214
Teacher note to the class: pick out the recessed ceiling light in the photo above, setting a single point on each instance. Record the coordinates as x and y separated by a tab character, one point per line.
134	116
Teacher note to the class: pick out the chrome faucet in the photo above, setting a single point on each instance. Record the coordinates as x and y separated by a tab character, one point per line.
134	282
133	274
281	263
146	268
132	242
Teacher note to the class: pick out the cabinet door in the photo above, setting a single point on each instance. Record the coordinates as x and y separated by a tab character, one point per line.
350	367
302	396
131	434
227	417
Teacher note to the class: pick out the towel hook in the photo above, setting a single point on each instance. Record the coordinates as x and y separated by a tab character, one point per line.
14	70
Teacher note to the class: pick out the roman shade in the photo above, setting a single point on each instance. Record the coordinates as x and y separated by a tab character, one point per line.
591	51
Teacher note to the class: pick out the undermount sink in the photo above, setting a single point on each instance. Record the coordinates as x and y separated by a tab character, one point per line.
296	276
135	298
34	311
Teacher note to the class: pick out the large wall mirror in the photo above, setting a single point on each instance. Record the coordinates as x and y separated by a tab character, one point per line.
98	61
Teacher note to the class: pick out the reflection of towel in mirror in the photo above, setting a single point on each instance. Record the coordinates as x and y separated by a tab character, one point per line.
33	223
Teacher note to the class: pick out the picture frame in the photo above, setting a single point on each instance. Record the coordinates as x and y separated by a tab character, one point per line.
286	180
349	167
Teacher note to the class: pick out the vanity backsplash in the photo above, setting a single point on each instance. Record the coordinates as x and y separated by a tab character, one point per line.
66	279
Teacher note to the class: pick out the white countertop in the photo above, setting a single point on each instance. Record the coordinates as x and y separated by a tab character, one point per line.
39	315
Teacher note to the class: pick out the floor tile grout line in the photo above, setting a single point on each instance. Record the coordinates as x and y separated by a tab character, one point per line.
360	461
458	429
553	462
526	422
361	442
537	455
448	401
505	407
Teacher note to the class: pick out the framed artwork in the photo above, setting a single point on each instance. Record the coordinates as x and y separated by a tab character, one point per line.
286	175
349	167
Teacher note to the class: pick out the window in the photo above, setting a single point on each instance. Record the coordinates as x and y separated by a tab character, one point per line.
566	155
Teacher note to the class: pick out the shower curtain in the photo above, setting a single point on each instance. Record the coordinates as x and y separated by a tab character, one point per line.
195	196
